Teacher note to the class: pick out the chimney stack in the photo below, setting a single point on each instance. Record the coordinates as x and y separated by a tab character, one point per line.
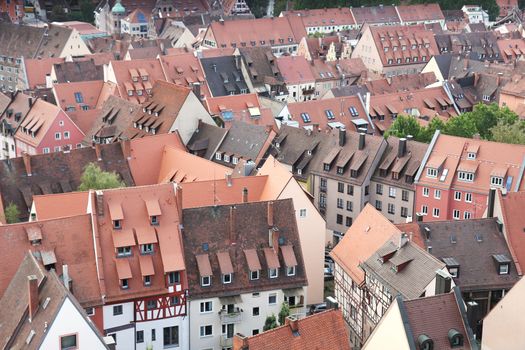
490	206
342	136
125	144
270	214
229	180
403	239
65	276
232	224
99	197
196	87
402	148
292	323
98	152
362	136
240	342
30	102
274	239
178	198
27	162
245	195
410	137
33	296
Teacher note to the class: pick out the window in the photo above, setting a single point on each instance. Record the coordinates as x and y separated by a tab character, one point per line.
90	311
273	273
46	150
206	331
391	208
424	210
323	184
147	280
404	196
117	224
290	271
154	220
206	306
392	192
496	181
123	251
205	281
173	277
226	158
379	205
146	248
348	221
455	214
68	342
404	212
340	203
340	187
349	206
339	219
457	196
350	189
58	136
254	275
171	336
379	189
57	148
218	155
66	135
367	190
426	191
504	269
453	271
272	299
302	213
431	172
467	215
435	213
468	197
471	155
124	284
437	194
255	331
227	278
255	311
153	335
464	176
117	310
78	97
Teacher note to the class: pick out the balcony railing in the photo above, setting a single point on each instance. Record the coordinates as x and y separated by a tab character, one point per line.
226	342
234	316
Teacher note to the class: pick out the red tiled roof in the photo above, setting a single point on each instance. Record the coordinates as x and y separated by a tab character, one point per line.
323	17
512	205
325	330
89	90
295	70
61	205
420	12
37	69
182	68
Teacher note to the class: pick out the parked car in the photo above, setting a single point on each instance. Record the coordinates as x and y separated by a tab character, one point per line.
317	308
328	271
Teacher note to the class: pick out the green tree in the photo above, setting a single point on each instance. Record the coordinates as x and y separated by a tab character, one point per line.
12	214
509	133
270	323
461	125
58	14
87	9
95	178
283	313
406	125
486	117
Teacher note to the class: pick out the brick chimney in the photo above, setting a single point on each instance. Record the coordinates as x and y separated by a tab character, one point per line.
98	152
232	225
292	323
125	144
245	195
27	162
33	296
270	214
229	180
275	239
99	200
240	342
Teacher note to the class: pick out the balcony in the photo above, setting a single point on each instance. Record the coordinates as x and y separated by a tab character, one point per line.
226	342
233	315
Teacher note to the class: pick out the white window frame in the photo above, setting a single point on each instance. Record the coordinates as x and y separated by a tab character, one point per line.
467	215
465	176
204	309
468	197
202	331
424	210
254	275
437	194
204	278
426	191
432	172
457	196
290	271
435	212
392	192
218	156
46	150
453	271
227	278
302	213
471	155
496	181
505	271
456	214
67	135
273	273
58	136
272	295
146	248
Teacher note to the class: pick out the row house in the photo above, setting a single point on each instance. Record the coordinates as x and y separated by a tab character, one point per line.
282	34
136	24
392	185
511	50
185	69
423	104
476	45
13	109
330	113
375	262
224	76
421	14
236	8
512	95
456	174
340	178
298	77
43	314
324	21
436	322
478	259
20	42
46	128
475	14
337	73
329	48
395	50
243	272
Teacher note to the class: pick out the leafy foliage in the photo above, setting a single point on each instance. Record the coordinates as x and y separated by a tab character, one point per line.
270	323
12	214
87	9
283	313
95	178
259	7
489	121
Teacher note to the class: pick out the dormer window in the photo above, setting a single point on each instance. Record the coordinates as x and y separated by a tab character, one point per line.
471	155
496	181
173	277
290	271
227	278
340	170
218	156
154	220
147	280
502	264
146	248
124	284
455	338
273	273
432	172
254	275
504	269
226	158
205	281
326	167
123	251
465	176
117	224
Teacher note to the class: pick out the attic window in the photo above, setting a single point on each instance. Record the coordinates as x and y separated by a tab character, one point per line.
154	220
205	281
124	283
227	278
496	181
455	338
117	224
471	155
503	263
306	117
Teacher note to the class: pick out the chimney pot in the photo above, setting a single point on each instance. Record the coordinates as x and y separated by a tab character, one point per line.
245	195
401	150
362	136
342	136
292	323
33	296
270	214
